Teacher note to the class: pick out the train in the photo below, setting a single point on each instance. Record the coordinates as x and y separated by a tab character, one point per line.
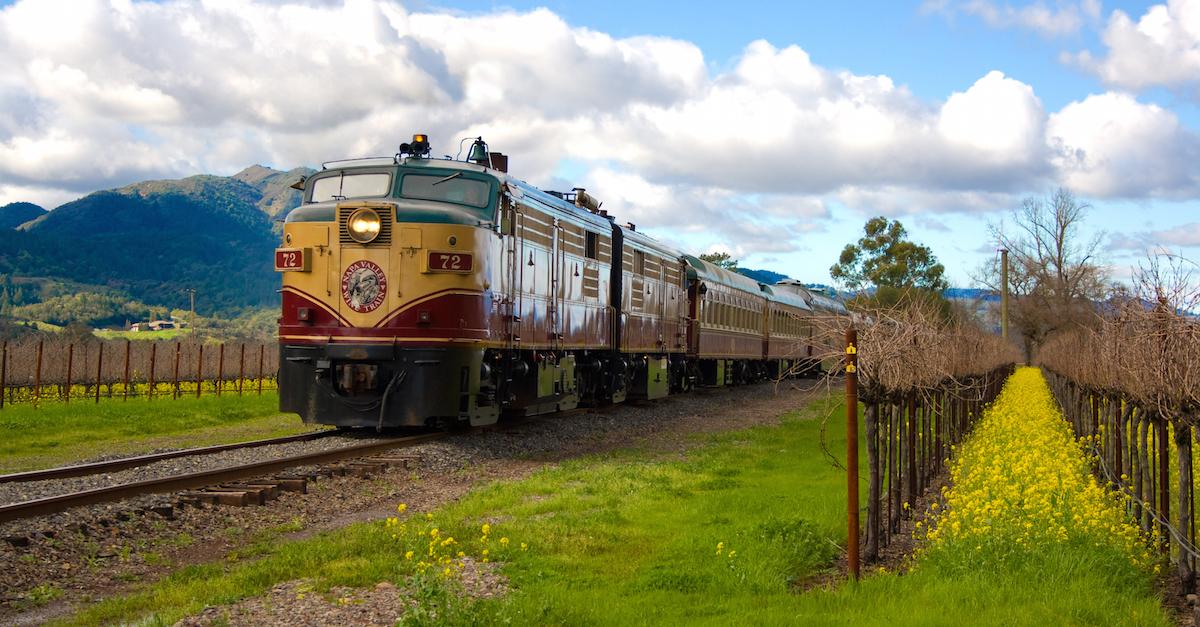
422	292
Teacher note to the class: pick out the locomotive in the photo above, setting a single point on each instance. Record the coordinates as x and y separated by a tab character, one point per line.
423	292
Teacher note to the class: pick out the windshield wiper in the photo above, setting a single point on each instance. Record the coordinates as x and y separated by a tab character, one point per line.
440	181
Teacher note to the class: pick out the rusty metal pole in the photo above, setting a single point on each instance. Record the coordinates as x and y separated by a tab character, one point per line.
3	373
70	365
852	452
199	369
153	354
241	368
99	369
175	378
128	344
37	376
220	368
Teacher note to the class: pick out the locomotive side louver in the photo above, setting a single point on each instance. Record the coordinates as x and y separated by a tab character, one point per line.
386	217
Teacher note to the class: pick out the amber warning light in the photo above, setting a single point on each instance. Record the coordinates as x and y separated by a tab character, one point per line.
293	259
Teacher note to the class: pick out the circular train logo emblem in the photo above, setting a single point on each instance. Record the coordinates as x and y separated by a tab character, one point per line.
364	286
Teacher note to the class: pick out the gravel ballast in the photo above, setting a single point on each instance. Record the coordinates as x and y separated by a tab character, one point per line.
98	551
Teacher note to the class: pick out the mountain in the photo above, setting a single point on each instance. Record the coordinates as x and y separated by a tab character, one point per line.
762	276
971	294
154	240
278	197
15	214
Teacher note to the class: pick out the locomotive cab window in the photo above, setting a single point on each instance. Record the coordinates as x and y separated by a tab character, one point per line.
342	186
453	188
639	262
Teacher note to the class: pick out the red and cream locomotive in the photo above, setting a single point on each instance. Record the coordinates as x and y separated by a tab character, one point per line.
425	292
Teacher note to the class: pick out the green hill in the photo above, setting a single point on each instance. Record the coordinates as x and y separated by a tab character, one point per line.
15	214
155	239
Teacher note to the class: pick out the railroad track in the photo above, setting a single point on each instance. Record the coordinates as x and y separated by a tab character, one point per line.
113	465
215	477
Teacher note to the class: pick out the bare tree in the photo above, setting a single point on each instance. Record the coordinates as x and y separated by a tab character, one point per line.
1054	278
1167	279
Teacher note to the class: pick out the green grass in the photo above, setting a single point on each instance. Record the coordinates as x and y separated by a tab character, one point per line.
632	538
165	334
57	434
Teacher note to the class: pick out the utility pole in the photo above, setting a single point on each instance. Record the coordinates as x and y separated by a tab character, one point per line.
1004	293
192	298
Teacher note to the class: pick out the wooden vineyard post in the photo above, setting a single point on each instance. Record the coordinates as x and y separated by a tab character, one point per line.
99	369
37	376
262	349
852	452
199	369
1183	450
3	373
153	354
220	367
128	344
873	483
911	470
1164	480
241	368
70	365
175	379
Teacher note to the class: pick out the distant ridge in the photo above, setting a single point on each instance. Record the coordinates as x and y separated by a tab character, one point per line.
154	239
15	214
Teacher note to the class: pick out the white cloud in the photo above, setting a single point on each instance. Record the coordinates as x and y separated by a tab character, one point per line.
1162	48
764	224
1110	145
97	94
1182	235
1065	18
48	197
897	200
1153	241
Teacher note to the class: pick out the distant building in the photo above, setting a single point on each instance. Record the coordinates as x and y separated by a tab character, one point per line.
153	325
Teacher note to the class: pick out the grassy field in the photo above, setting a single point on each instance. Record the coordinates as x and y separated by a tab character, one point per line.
58	434
166	334
736	533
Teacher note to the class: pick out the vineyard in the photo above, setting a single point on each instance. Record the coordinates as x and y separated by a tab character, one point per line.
47	370
1130	387
923	383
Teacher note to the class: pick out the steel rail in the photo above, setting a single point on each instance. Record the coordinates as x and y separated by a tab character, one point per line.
53	504
113	465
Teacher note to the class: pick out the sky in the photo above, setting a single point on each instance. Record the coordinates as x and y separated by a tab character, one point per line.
769	130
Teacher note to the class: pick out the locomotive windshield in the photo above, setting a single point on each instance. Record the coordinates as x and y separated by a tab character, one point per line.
343	186
447	188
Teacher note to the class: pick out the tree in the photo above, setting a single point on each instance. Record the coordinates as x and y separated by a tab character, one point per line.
721	260
1053	277
885	258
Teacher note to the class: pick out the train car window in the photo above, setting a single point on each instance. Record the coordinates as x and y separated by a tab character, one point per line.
452	188
343	186
639	262
592	246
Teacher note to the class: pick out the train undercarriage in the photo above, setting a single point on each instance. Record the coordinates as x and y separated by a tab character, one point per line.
385	386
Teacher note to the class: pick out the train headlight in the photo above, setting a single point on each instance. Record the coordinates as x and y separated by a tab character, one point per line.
363	225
